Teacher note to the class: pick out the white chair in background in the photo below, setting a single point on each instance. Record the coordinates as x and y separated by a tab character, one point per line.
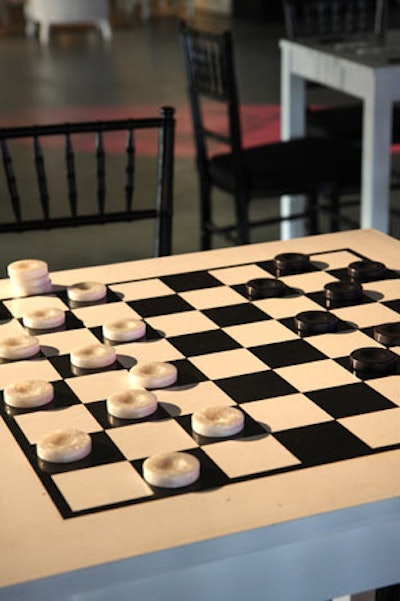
46	13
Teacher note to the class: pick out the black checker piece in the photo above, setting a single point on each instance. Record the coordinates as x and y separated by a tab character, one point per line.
235	314
196	280
255	386
350	399
282	354
322	443
203	343
162	305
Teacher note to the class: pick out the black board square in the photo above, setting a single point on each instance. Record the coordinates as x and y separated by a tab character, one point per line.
162	305
188	373
255	386
236	314
350	399
322	443
5	314
203	343
196	280
291	352
393	304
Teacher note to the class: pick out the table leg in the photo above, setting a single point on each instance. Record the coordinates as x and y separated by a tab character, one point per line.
377	127
293	103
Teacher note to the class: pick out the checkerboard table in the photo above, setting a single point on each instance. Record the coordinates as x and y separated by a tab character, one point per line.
308	487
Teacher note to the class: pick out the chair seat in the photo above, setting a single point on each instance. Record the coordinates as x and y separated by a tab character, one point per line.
270	168
344	122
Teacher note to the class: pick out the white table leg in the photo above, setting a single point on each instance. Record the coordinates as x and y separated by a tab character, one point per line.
377	127
293	103
105	29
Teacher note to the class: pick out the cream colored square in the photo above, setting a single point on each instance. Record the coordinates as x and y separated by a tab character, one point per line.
383	290
309	282
208	298
21	306
377	429
287	306
96	387
316	375
35	425
389	387
248	456
174	325
370	314
285	412
146	352
101	485
97	315
183	400
260	332
33	369
149	438
335	260
62	343
142	289
11	328
341	344
228	363
239	274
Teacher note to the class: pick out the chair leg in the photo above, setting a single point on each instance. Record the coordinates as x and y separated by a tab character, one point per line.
242	217
313	217
388	593
205	214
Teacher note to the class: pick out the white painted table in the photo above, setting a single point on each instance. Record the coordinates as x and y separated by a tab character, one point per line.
304	534
46	13
371	74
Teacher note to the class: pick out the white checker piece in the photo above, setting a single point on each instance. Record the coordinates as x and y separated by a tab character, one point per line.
209	298
140	290
147	352
225	364
316	375
239	457
20	306
341	344
37	424
183	400
286	306
308	282
85	487
367	315
286	412
377	429
150	438
174	325
260	332
96	315
96	387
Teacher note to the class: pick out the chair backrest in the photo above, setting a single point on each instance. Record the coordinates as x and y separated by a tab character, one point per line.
334	19
93	155
210	71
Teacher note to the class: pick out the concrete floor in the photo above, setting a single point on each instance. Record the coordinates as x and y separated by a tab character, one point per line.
79	77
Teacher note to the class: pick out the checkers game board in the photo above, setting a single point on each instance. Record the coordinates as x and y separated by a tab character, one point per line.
305	406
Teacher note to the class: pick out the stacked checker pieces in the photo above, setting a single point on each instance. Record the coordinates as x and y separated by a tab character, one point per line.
258	352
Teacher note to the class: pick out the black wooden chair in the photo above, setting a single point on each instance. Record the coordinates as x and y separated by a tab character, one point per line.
85	176
308	166
339	22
